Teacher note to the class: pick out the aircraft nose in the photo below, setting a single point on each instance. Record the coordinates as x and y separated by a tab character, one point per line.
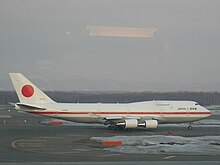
207	112
210	113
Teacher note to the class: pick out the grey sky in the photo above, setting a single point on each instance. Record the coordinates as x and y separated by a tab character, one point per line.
45	40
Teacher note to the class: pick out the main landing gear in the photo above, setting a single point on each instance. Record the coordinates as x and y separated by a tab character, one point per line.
190	126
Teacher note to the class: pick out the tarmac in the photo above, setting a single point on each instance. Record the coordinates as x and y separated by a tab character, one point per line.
24	138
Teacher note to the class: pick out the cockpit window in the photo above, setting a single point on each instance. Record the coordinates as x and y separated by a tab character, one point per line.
196	104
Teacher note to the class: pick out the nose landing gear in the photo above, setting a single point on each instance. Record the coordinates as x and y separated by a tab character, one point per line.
190	126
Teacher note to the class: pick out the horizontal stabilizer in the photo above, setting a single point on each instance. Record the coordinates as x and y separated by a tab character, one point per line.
29	106
13	104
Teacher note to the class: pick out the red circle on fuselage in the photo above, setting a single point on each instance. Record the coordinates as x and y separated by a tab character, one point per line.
27	91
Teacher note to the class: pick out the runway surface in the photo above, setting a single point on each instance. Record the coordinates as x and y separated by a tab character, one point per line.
29	138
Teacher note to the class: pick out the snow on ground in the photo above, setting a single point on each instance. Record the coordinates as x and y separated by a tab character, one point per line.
161	144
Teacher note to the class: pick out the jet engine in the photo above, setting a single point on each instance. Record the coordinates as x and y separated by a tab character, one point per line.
151	123
131	123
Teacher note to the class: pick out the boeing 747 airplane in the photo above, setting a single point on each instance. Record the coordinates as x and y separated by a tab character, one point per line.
147	114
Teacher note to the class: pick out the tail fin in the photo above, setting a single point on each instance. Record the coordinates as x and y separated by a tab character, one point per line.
27	92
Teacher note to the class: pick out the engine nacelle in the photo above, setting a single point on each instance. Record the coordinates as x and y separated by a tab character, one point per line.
131	123
151	123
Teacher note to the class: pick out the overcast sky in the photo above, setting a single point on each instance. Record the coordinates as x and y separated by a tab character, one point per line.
45	39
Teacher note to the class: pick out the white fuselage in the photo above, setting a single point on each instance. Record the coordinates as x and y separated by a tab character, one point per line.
163	111
147	114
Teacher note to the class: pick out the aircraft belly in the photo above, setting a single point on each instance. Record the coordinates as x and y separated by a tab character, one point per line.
179	119
77	118
82	119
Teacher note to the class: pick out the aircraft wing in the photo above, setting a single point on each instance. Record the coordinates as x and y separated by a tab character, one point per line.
132	121
113	118
120	117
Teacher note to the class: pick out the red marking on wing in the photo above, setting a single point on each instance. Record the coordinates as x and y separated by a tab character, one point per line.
56	122
112	143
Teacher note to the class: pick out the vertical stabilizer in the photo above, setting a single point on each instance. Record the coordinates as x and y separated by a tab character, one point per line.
27	92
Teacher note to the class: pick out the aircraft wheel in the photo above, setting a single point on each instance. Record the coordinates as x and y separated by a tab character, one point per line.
190	127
